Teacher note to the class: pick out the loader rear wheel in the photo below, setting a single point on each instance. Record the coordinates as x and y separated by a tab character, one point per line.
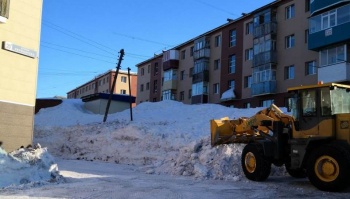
255	166
328	168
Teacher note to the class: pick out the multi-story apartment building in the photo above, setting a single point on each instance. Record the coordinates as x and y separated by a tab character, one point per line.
247	62
330	36
103	84
20	26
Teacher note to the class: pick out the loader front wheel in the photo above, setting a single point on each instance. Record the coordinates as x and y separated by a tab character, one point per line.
255	166
328	168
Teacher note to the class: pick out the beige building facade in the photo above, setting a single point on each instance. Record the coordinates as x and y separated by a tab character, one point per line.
20	26
247	62
103	84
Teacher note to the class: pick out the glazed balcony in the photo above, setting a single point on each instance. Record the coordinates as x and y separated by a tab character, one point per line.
339	72
265	58
265	29
201	77
201	53
263	88
170	60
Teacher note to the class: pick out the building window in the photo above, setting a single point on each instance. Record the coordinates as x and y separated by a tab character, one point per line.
249	28
307	5
200	88
123	79
290	11
249	54
142	71
310	68
155	86
183	54
248	81
189	93
333	55
267	103
4	8
232	38
217	64
123	92
216	88
167	95
147	86
191	51
231	84
141	87
306	36
289	72
218	41
182	96
156	68
232	64
290	41
182	75
191	72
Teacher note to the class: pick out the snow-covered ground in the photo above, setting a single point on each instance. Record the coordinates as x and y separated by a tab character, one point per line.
167	142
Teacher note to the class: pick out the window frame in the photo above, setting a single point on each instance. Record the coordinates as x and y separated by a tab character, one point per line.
232	64
290	12
289	72
233	38
290	41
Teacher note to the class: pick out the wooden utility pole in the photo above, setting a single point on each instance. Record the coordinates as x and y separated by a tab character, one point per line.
113	85
130	99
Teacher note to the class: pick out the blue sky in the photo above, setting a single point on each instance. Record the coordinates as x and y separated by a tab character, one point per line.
82	38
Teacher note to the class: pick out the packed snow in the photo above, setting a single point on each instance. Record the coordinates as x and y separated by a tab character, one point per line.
164	138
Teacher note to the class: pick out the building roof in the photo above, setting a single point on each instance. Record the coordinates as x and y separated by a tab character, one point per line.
115	97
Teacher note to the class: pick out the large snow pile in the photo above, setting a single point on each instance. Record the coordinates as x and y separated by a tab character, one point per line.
27	166
165	137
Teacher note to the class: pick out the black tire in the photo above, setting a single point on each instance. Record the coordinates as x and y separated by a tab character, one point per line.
255	166
328	168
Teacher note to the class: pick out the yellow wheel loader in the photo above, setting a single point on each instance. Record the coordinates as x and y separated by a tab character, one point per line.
313	142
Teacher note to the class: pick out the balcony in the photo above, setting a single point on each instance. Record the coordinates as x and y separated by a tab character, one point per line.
199	99
201	53
265	58
263	88
169	85
265	29
334	73
170	60
201	77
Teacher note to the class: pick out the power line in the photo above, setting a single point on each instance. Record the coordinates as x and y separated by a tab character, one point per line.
141	39
217	8
78	37
77	54
77	49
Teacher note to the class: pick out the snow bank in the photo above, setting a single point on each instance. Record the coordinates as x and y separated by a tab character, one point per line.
165	137
27	166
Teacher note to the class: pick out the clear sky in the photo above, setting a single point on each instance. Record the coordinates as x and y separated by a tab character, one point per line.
81	39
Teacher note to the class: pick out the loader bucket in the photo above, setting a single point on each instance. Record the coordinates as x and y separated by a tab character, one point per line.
219	129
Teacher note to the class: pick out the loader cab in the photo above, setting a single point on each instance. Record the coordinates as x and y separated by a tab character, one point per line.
314	108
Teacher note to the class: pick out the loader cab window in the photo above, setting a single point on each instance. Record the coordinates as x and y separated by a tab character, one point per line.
325	102
340	100
308	100
293	106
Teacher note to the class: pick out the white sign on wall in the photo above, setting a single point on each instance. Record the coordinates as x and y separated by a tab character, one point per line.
19	49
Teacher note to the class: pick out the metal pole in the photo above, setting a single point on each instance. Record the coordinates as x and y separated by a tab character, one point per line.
113	85
130	99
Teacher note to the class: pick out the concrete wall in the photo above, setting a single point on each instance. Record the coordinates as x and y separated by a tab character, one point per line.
99	106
